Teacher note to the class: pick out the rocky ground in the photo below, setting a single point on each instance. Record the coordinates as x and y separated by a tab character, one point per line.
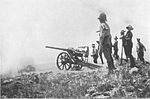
123	83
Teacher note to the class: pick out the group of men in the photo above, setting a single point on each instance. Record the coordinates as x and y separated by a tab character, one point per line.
105	45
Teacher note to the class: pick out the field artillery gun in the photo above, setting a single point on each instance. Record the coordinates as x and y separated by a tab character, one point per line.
71	58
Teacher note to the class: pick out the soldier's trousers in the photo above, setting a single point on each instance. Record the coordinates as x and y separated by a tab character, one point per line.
128	51
95	57
141	56
107	50
116	56
101	58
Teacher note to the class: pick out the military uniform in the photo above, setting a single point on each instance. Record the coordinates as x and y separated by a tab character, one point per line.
94	54
100	52
140	48
115	46
123	43
128	45
105	41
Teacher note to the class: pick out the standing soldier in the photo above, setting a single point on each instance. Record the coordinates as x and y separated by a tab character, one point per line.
115	46
94	53
123	45
100	53
105	41
128	45
140	48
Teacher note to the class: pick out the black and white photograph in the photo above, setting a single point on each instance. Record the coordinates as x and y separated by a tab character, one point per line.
75	49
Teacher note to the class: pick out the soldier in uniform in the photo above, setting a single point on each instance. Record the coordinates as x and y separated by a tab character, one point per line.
105	41
100	53
115	46
128	45
94	53
123	43
140	48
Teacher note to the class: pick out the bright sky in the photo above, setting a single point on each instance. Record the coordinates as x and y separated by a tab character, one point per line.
26	26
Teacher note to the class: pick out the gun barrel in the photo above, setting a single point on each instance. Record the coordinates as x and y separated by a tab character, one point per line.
56	48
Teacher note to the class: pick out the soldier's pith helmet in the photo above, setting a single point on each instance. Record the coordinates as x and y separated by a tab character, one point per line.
102	16
129	27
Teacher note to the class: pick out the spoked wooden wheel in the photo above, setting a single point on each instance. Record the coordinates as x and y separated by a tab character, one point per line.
63	61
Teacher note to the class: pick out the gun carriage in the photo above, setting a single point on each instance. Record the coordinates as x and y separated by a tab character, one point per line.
71	58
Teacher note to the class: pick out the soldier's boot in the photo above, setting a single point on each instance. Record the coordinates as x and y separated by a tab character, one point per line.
132	62
117	57
111	64
110	71
111	68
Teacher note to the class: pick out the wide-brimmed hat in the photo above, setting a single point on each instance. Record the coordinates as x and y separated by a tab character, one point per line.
138	39
115	37
129	27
